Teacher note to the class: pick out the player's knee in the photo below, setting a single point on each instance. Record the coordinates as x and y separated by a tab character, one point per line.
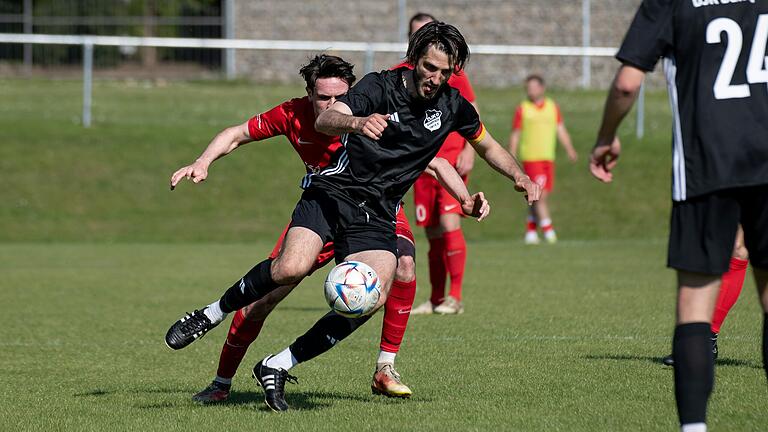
290	270
740	251
406	269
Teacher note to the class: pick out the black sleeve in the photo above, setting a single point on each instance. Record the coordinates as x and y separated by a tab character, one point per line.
467	122
650	35
366	96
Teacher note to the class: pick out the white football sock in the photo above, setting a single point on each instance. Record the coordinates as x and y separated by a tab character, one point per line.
694	427
225	381
283	360
214	312
386	357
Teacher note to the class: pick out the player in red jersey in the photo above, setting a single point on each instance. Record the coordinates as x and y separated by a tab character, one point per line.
327	78
439	213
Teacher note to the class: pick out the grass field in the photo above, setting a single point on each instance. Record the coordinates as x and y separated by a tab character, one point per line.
97	259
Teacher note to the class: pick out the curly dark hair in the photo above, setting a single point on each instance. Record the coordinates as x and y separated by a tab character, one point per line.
442	36
327	66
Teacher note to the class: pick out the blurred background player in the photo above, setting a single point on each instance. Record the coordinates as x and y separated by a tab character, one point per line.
730	289
439	213
537	125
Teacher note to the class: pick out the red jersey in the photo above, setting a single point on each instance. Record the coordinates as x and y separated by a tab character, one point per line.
295	119
454	143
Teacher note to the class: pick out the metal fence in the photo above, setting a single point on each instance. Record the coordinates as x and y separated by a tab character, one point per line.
148	18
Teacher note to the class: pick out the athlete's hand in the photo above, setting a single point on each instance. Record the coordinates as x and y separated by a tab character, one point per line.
466	160
572	155
604	158
197	172
532	190
476	206
372	126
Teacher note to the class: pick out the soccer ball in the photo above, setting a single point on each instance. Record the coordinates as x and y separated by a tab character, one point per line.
352	289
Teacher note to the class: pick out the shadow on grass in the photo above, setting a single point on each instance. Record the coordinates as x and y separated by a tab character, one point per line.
298	400
659	360
304	308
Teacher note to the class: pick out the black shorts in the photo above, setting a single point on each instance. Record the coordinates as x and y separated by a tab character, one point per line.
703	229
352	227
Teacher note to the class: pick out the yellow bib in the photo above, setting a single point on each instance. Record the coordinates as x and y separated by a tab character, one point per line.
538	134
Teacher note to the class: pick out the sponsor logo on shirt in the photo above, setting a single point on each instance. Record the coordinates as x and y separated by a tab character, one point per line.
700	3
432	120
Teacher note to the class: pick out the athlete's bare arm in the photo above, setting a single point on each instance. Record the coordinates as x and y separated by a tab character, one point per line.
502	161
223	143
338	119
514	141
565	140
472	205
621	97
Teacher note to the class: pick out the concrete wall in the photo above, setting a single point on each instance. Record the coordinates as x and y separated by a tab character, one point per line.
519	22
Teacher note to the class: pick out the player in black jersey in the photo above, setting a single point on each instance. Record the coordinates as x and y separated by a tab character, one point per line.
392	125
715	63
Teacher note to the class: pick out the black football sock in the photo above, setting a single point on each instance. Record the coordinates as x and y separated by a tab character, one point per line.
326	332
694	371
765	344
254	285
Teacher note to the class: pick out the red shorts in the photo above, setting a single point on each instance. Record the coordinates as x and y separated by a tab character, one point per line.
432	200
402	229
542	173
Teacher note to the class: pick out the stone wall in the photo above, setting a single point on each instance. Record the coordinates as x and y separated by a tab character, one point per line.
518	22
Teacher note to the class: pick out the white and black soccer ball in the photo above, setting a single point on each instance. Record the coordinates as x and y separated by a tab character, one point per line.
352	289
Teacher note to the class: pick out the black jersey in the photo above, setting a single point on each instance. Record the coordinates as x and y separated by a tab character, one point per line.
715	62
379	173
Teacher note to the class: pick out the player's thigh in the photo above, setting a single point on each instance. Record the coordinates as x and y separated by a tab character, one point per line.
449	209
383	262
425	199
702	232
406	249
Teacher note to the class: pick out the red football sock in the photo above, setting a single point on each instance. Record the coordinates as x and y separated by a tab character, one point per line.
530	225
437	270
456	258
397	309
242	333
730	288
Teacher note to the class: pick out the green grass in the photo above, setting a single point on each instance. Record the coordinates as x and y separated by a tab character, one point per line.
565	338
110	183
97	259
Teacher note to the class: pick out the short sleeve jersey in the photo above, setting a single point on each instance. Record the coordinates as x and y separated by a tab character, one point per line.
454	144
714	60
295	119
377	173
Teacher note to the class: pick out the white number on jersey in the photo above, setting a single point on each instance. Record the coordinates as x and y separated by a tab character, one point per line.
756	65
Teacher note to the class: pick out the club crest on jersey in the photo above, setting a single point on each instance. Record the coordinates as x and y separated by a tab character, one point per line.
432	120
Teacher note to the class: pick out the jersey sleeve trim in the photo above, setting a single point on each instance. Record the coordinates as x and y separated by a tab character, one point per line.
517	123
477	136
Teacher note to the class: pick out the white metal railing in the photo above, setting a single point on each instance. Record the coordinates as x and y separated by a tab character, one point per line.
370	48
